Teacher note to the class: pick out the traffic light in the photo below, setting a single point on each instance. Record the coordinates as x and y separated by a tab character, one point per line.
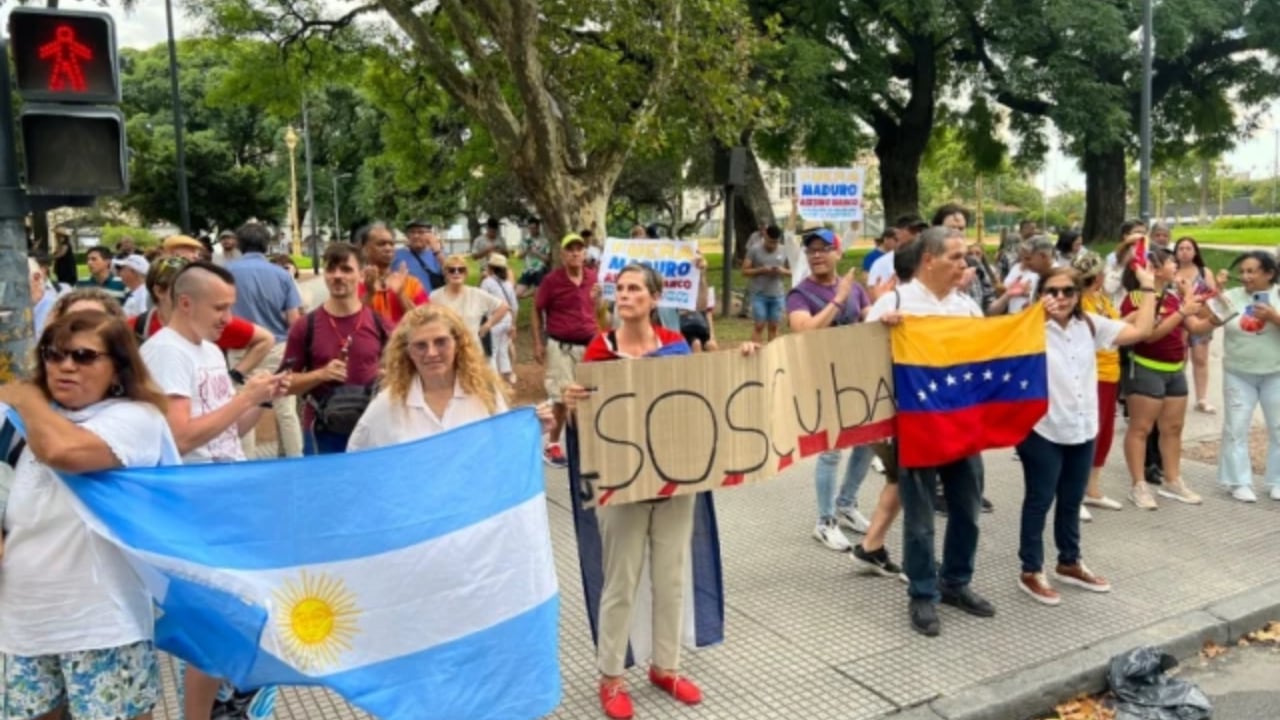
68	76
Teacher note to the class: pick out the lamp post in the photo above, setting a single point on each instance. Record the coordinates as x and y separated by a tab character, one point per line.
337	223
184	211
291	142
1144	116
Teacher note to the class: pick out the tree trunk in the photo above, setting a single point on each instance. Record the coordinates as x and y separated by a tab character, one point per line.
899	179
751	207
1104	192
564	202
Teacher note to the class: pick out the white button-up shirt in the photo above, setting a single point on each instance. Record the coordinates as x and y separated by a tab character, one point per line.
916	299
880	270
387	422
1073	378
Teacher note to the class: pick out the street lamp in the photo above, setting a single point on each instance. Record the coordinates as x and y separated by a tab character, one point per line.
184	210
291	142
1144	115
337	223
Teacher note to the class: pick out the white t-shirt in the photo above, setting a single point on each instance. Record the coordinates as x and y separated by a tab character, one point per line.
1071	354
473	304
199	373
63	588
504	292
386	422
881	270
796	259
1018	304
136	304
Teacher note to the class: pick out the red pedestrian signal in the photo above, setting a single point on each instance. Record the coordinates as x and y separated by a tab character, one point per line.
64	56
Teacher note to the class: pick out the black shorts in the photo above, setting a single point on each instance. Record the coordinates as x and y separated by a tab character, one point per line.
531	278
887	451
693	326
1156	384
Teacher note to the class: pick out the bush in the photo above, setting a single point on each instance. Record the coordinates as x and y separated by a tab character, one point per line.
144	239
1248	223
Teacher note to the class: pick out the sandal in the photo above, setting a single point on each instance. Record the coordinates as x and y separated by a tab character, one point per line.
1205	407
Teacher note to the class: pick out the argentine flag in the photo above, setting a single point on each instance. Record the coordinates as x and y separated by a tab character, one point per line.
417	581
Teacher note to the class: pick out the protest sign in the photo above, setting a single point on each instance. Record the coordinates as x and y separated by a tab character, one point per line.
673	426
829	194
675	261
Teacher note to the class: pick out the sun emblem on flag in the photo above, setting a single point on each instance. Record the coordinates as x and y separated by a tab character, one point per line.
316	620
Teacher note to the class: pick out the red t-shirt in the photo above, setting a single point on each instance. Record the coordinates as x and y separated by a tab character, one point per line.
1171	348
362	333
568	310
235	336
602	346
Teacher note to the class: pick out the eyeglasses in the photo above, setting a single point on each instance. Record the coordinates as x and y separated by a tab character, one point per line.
456	270
818	250
439	344
1069	292
80	356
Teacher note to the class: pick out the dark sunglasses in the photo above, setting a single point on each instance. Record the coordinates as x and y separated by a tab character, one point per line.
456	270
80	356
1060	292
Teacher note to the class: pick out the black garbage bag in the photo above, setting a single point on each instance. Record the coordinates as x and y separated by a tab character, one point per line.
1144	692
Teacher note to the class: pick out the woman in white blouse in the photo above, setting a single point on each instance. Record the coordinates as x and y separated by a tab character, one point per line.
435	378
1058	454
497	282
480	311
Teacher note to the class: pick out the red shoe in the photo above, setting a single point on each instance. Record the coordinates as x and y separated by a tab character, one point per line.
615	701
678	687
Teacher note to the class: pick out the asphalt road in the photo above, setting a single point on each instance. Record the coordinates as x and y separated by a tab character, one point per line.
1244	683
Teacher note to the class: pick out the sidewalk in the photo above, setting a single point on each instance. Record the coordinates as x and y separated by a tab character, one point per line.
807	638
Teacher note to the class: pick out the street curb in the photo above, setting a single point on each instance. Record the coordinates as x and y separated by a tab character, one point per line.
1037	689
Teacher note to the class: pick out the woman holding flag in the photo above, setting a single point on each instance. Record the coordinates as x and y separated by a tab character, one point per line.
76	623
1058	454
666	526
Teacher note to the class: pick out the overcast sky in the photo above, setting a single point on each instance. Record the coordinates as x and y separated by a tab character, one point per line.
145	26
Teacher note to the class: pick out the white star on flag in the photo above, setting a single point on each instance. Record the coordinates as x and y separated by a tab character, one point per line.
968	376
986	375
1008	377
951	380
933	386
922	395
1025	383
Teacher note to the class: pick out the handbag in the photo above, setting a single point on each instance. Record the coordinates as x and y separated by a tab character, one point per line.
339	410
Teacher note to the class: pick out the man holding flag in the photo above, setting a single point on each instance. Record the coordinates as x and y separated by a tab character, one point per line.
950	377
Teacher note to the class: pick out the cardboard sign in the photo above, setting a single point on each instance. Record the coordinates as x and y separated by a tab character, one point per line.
829	194
678	425
673	259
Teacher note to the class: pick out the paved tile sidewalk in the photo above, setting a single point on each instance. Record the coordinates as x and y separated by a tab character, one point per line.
807	638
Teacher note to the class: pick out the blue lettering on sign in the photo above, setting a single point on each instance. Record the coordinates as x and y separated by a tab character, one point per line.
669	268
617	263
839	190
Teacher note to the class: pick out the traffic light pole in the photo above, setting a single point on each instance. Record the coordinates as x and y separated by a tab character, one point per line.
15	290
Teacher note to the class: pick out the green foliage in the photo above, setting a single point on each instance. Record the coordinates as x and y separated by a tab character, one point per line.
112	234
1243	223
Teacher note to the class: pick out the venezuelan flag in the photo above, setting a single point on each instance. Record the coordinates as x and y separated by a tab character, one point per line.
964	385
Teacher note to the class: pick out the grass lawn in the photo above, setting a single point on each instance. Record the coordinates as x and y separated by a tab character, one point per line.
1265	237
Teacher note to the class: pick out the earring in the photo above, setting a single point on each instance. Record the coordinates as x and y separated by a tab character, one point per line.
116	389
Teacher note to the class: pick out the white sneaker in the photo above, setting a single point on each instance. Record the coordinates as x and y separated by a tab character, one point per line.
852	519
829	534
877	464
1244	494
1103	502
1275	493
1085	515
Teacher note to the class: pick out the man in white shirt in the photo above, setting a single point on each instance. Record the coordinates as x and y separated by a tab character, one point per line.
907	228
939	263
132	271
1024	278
205	413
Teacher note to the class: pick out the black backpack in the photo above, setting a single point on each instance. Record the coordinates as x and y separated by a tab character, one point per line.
338	410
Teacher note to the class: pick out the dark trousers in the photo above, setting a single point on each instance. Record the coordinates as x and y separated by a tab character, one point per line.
962	491
319	442
1153	449
1052	472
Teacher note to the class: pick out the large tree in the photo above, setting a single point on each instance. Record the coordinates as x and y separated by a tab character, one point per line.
565	89
1078	65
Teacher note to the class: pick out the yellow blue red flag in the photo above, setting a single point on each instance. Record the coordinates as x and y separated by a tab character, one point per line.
964	385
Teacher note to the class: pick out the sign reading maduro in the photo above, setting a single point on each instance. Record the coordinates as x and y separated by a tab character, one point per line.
673	426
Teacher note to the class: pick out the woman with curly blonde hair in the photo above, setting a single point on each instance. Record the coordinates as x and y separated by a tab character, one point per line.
434	378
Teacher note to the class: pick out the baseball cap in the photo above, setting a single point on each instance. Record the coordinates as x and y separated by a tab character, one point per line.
136	263
823	234
419	224
570	239
174	242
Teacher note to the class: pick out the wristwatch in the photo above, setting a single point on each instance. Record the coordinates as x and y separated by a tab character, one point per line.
237	377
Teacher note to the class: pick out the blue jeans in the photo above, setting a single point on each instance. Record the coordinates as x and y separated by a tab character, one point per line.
767	308
962	487
319	442
1052	472
1241	393
854	473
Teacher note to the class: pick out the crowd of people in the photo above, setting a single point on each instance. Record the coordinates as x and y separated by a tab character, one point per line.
164	357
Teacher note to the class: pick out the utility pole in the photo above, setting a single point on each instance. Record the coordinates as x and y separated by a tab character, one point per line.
1144	181
311	191
184	205
1275	172
15	280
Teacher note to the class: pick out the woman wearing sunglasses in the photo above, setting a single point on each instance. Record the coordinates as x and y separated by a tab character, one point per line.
76	623
1058	454
479	310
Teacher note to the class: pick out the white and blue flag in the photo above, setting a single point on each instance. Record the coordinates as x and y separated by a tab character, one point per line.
417	581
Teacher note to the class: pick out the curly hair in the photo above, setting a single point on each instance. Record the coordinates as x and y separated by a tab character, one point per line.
469	365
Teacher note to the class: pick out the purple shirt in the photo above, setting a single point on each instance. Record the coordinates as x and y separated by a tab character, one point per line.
811	297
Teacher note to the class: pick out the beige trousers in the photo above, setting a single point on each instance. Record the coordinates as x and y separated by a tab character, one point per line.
666	528
288	423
